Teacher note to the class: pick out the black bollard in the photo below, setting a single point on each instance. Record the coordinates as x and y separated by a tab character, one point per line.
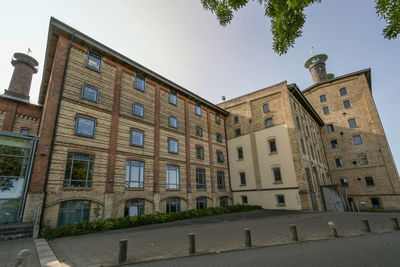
293	230
367	228
123	251
192	243
395	223
247	238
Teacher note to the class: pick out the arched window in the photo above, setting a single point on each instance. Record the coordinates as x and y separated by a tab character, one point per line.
73	211
134	207
201	203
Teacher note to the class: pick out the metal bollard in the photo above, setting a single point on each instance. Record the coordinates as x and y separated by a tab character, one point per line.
395	223
123	251
22	258
293	230
367	228
247	238
192	243
333	227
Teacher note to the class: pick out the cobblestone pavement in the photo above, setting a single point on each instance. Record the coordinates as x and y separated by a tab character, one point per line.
217	233
9	250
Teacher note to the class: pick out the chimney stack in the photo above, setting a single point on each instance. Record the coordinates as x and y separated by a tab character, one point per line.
24	68
316	66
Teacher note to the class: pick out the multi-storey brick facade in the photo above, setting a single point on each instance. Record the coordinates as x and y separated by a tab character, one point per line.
110	138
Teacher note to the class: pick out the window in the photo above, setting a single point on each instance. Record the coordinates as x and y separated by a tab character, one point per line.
219	138
357	140
217	118
235	119
223	201
220	157
272	146
199	152
134	174
172	177
242	178
237	132
240	153
307	131
140	83
352	123
199	131
298	123
322	98
346	104
326	110
200	179
173	99
277	175
201	203
312	152
244	200
85	126
198	110
330	128
173	205
362	159
173	146
221	179
93	61
343	91
303	147
134	207
334	144
24	131
369	181
280	200
79	170
265	108
172	122
344	182
137	138
138	110
375	202
339	162
73	211
269	122
89	93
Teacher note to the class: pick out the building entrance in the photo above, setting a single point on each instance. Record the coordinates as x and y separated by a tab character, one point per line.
16	153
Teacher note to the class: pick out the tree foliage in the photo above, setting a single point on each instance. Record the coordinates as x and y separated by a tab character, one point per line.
287	17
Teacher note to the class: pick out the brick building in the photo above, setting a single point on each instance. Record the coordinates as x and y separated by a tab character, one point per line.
110	138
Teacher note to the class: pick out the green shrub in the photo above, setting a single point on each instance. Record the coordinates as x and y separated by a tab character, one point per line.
146	219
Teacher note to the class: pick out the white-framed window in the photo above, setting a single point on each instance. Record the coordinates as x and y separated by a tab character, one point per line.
137	138
134	177
172	177
79	170
85	126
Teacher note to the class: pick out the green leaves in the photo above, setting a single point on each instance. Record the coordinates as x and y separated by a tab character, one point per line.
389	11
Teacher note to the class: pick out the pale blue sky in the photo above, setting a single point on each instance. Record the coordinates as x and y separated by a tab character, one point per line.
184	43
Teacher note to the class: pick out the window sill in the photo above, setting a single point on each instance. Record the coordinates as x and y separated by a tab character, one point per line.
77	188
278	182
281	205
170	189
201	189
222	189
243	185
240	159
134	189
83	135
93	68
136	146
273	153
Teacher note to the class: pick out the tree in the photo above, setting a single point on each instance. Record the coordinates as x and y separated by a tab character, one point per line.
287	17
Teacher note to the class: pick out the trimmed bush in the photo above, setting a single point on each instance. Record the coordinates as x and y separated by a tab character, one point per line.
128	222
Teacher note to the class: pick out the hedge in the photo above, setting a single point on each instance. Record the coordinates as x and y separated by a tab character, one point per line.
146	219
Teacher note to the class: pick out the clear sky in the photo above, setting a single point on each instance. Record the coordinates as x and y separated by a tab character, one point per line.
184	43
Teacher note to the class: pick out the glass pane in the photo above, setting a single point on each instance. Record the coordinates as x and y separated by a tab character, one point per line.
90	93
137	138
85	126
138	110
94	61
139	83
11	187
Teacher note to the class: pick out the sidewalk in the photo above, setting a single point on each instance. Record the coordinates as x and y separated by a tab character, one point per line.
217	233
9	250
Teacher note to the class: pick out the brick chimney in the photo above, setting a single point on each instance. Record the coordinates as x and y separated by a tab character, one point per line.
24	68
316	66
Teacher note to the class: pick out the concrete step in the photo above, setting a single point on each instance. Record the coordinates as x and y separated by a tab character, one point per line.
15	231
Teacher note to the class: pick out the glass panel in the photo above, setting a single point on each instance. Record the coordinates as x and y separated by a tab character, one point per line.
172	98
90	93
9	210
137	138
138	110
93	61
139	83
173	146
85	126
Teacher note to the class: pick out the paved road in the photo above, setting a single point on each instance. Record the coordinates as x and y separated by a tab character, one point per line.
9	250
370	250
217	233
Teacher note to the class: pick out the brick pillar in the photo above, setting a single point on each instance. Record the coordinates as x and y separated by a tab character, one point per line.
112	154
48	119
210	152
156	175
8	122
187	148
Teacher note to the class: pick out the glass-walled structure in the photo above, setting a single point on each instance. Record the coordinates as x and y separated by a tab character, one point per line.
16	153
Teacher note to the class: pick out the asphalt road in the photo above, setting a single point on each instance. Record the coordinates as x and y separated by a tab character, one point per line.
376	250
